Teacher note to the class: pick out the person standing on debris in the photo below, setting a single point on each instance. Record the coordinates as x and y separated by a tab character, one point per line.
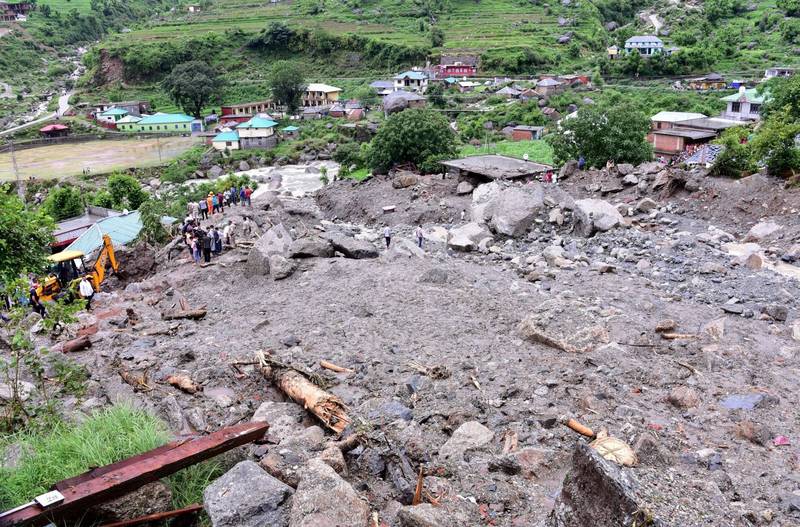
235	195
242	197
221	201
195	211
229	233
581	162
195	248
203	206
463	214
217	240
36	303
214	202
210	203
206	244
420	235
247	193
247	227
87	291
387	235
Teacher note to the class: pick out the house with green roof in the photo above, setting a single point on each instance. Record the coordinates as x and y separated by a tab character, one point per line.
163	123
290	132
226	141
745	105
128	123
112	115
258	132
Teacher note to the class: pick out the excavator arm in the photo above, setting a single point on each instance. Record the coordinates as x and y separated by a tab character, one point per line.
105	257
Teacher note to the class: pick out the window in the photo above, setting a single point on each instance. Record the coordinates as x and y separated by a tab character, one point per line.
151	128
755	108
227	143
736	107
176	126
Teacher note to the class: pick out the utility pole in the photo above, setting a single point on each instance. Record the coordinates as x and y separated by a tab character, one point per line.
20	190
158	143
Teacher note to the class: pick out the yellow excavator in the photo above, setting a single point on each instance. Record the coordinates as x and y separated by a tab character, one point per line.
67	267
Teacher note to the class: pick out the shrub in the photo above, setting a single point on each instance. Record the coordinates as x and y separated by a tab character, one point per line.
411	136
64	202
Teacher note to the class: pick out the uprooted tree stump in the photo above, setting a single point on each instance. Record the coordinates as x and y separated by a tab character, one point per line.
78	344
192	314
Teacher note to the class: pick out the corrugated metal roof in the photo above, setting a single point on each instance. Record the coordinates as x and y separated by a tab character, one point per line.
416	75
290	128
750	95
226	136
326	88
115	111
258	122
644	39
676	117
166	118
122	230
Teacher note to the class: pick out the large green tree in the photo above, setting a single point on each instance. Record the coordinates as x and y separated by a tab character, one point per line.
287	84
64	202
126	192
775	145
783	98
616	133
24	238
193	85
421	137
736	159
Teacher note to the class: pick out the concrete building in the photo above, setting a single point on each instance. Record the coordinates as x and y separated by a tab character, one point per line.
111	116
778	71
745	105
166	123
416	81
480	169
547	87
226	141
671	142
244	111
258	132
318	94
665	120
645	45
526	133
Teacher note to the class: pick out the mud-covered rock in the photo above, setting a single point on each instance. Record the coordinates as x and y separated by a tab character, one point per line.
311	247
276	240
324	498
352	247
466	437
595	215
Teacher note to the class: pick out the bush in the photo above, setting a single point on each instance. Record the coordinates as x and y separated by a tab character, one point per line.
736	159
349	154
126	192
64	202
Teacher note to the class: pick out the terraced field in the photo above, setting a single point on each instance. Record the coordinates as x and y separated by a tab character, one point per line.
83	6
468	25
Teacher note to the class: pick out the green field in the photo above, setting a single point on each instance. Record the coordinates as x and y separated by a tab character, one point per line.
99	157
83	6
539	151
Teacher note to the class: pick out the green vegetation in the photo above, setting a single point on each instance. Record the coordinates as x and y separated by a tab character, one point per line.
24	237
539	151
126	191
417	137
66	450
286	84
599	135
64	202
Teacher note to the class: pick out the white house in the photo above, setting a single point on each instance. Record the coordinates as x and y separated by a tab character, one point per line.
745	105
226	141
416	81
771	73
644	44
258	132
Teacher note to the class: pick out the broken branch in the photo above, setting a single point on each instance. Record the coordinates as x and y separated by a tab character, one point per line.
74	345
575	426
193	314
184	383
333	367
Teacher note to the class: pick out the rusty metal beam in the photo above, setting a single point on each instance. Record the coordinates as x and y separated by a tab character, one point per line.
112	481
158	516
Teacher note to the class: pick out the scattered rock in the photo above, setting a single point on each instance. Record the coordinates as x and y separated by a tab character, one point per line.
405	180
467	237
334	458
683	397
281	267
275	241
468	436
351	247
776	312
566	326
593	215
311	247
464	187
324	498
215	172
761	231
514	210
246	496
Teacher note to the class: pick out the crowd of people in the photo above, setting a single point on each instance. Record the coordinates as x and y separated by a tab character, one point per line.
203	243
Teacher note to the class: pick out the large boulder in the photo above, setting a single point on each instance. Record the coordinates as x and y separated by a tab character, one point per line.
515	208
351	247
281	267
592	215
215	172
483	198
762	230
464	187
405	180
311	247
466	237
246	496
324	498
275	241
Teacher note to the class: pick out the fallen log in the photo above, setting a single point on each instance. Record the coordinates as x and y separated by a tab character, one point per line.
184	383
157	517
112	481
327	407
78	344
575	426
139	383
333	367
193	314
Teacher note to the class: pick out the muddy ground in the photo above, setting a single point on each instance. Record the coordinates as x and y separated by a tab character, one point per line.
657	333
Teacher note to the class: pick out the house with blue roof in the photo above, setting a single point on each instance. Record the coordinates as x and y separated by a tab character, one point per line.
226	141
112	115
411	80
645	45
164	123
258	132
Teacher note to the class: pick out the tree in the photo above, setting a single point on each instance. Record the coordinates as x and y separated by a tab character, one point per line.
287	84
276	37
435	94
193	85
24	238
126	192
153	230
64	202
736	159
597	78
366	95
616	133
437	37
790	7
414	136
775	146
784	97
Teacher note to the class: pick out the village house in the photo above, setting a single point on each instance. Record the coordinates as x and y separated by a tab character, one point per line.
13	11
771	73
547	87
665	120
645	45
508	92
54	130
745	105
337	110
226	141
456	65
416	81
382	87
128	123
242	112
670	142
712	81
132	107
612	52
193	8
573	80
318	94
485	168
258	132
70	229
177	123
110	117
402	100
526	133
467	86
314	112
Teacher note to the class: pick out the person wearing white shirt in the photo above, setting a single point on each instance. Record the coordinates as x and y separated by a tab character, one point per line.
87	291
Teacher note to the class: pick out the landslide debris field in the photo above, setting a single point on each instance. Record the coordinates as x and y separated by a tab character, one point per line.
661	306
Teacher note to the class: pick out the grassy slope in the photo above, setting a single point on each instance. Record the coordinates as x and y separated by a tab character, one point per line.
83	6
539	151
